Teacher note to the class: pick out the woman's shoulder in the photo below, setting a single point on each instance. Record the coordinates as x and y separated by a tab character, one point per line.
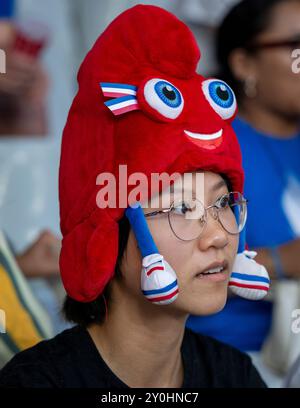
38	366
224	364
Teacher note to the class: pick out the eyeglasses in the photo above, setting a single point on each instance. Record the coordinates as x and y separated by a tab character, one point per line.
288	43
188	218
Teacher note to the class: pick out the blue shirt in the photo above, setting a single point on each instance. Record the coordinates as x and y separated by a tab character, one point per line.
6	8
272	186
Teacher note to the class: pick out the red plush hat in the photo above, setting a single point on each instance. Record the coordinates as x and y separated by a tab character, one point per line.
141	103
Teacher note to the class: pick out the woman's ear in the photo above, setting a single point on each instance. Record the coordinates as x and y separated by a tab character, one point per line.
131	259
242	64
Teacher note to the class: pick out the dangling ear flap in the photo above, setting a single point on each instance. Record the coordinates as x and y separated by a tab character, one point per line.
248	279
158	278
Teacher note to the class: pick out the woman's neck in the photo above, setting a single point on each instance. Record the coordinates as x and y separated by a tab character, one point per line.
268	121
142	347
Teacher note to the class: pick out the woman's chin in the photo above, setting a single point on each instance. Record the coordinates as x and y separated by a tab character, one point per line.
208	304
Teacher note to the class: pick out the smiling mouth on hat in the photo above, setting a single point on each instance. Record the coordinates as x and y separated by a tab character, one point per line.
208	141
203	136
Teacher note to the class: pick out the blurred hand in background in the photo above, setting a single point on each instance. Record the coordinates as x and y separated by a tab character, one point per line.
23	89
41	259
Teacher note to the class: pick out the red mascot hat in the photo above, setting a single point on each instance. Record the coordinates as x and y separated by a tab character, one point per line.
141	103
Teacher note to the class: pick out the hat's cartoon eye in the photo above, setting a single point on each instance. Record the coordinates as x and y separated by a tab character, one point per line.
220	96
164	97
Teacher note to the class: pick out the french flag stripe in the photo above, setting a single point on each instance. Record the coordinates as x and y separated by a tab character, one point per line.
115	93
161	298
249	286
116	90
245	277
116	85
123	104
122	101
248	282
167	293
160	291
155	268
125	109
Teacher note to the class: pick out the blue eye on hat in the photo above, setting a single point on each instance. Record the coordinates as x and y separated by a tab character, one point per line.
221	97
164	97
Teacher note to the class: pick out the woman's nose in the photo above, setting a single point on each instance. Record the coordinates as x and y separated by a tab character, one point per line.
213	234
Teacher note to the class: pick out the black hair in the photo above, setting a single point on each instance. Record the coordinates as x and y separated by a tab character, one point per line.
227	181
95	311
244	22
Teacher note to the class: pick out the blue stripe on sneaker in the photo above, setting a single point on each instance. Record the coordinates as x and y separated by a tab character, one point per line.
158	291
254	278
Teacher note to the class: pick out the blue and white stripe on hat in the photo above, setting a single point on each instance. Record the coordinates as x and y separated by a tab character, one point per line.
115	90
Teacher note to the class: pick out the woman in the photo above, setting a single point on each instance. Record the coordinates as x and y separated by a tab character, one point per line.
255	43
133	274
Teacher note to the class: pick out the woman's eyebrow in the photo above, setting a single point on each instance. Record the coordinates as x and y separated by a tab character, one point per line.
215	187
219	185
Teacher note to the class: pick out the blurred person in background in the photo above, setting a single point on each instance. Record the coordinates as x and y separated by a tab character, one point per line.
293	377
254	50
23	320
39	263
23	87
29	165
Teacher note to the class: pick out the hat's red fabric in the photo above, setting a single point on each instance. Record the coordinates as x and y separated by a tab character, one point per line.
142	43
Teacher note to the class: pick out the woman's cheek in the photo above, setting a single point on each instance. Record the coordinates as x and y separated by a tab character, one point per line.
232	249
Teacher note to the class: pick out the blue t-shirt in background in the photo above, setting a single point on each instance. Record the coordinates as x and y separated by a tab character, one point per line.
6	8
272	185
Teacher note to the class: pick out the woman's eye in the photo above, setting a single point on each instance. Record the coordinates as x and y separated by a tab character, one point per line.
164	97
221	97
223	202
182	208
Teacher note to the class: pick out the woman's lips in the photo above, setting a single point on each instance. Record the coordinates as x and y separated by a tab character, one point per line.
215	272
206	140
214	277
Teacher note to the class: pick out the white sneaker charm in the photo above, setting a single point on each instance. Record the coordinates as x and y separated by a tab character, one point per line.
249	279
158	280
